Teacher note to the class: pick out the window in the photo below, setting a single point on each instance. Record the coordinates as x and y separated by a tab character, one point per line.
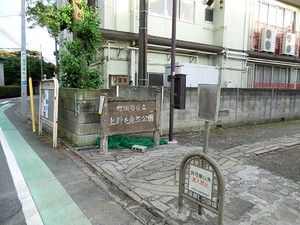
274	16
157	7
298	79
272	77
279	17
263	13
289	19
185	10
209	15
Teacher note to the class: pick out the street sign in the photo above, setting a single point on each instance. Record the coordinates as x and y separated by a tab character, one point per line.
202	182
128	116
48	106
209	101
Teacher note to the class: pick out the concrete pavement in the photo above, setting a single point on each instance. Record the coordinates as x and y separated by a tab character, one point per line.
253	195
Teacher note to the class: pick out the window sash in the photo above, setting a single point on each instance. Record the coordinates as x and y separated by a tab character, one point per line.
274	16
185	9
273	75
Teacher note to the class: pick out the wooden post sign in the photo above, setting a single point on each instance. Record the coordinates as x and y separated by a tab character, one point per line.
202	182
128	116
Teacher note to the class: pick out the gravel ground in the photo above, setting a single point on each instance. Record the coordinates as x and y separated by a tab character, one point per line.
285	162
221	139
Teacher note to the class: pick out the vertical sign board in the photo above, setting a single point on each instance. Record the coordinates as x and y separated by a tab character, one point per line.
202	182
48	106
209	101
23	86
23	68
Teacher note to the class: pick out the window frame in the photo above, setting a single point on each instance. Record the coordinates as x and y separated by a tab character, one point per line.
283	26
213	15
179	16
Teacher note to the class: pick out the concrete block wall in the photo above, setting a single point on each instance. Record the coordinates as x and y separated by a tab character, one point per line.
78	118
238	107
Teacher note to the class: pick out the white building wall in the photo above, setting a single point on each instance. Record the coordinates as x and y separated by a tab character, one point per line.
231	29
235	24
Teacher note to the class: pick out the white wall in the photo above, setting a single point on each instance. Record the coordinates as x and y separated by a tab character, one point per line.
231	30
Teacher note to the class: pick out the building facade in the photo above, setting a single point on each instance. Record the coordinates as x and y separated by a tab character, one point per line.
253	43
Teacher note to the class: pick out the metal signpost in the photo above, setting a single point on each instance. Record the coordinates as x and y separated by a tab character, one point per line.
48	106
200	178
209	101
202	182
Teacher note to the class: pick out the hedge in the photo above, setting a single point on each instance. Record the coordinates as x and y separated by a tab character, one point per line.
10	91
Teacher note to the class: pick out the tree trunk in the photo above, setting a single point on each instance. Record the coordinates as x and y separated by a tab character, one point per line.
77	10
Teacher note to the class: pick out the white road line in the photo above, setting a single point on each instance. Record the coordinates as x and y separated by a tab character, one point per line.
30	211
2	103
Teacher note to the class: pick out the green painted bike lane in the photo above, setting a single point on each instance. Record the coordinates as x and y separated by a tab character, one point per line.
54	204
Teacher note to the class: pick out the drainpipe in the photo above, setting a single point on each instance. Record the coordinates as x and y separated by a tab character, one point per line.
108	61
132	67
143	41
172	86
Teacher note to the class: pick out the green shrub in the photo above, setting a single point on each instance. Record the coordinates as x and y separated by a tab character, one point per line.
10	91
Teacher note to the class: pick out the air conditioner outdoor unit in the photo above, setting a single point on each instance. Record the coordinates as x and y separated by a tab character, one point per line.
288	43
267	40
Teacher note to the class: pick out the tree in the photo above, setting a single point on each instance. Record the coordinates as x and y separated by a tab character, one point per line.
81	20
12	67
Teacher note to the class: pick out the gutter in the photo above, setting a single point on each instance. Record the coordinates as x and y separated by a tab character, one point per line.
155	40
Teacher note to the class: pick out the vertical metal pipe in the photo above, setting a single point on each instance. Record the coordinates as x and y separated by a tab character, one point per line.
32	105
143	41
173	52
41	62
56	57
23	64
206	136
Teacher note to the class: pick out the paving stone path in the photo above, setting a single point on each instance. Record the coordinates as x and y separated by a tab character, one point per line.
253	195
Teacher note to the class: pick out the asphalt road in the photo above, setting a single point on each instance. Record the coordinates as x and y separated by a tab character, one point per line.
10	206
105	204
100	202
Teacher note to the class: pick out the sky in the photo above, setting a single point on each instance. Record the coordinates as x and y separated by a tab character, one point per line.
10	23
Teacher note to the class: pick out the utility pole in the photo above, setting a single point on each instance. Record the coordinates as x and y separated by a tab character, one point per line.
41	55
143	41
172	86
23	64
56	58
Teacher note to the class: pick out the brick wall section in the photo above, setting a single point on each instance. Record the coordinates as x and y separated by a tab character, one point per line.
78	117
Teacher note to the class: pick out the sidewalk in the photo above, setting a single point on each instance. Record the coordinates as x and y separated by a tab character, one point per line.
253	195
